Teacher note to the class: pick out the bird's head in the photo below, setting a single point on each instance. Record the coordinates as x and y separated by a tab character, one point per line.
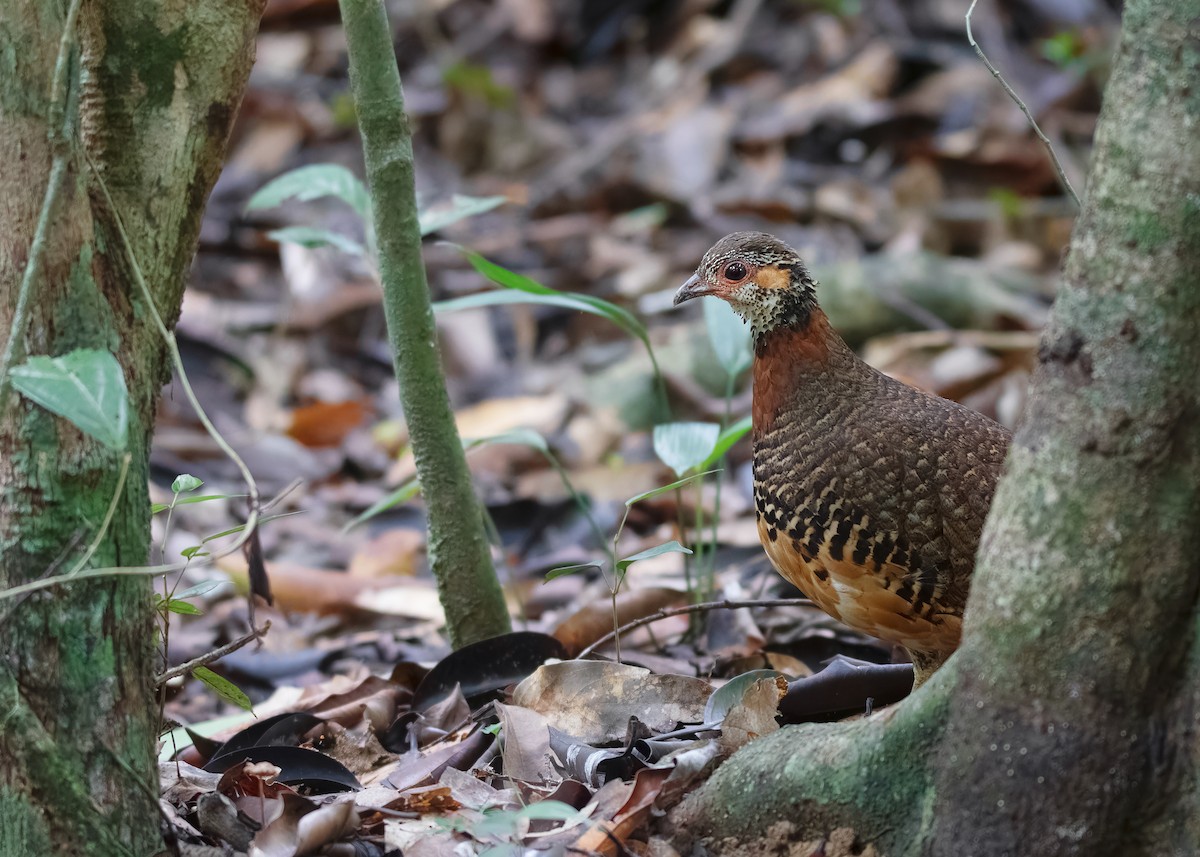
763	279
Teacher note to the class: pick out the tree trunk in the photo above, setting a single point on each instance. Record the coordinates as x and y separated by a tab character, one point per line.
150	95
1066	723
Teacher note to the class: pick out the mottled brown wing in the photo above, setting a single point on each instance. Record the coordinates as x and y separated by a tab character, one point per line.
875	509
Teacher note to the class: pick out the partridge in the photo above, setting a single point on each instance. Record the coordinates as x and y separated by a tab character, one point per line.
870	494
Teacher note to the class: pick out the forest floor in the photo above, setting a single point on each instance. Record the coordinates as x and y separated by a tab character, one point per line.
624	139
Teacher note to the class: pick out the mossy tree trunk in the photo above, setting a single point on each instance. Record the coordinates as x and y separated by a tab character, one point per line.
152	92
1067	722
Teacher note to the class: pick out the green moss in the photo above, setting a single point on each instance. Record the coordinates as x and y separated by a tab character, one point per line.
1189	222
24	829
1147	231
25	73
871	775
86	317
146	61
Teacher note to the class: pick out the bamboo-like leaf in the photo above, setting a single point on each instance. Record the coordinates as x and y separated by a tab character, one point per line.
459	208
505	298
224	688
501	276
202	588
672	546
313	182
517	437
85	386
564	570
403	494
411	488
183	607
663	489
313	236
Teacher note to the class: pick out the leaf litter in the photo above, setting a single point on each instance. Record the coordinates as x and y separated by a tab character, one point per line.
581	158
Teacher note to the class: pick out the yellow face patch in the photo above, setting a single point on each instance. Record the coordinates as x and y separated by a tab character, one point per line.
773	277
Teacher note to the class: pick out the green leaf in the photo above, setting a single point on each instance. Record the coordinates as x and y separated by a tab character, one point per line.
193	552
411	488
313	236
223	688
266	519
685	446
403	494
183	607
187	501
517	437
155	508
725	697
728	438
185	482
729	335
654	492
564	570
658	550
313	182
501	276
202	588
548	810
85	386
1063	49
485	299
460	208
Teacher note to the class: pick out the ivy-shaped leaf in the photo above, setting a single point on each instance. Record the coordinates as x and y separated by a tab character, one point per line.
85	386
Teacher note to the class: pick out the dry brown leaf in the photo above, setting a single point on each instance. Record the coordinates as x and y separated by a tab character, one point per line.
392	552
425	799
314	590
593	700
326	423
526	738
754	716
630	818
304	827
592	621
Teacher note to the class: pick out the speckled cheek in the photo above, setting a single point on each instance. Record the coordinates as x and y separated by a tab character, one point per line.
753	304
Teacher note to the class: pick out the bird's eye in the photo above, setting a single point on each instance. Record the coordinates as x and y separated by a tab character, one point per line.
735	271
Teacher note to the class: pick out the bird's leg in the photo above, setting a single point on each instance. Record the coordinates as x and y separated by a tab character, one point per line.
924	665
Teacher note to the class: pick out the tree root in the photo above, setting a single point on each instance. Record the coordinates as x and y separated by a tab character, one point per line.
873	776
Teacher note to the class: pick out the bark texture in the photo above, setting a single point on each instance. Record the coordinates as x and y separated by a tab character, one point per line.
458	547
1066	723
152	91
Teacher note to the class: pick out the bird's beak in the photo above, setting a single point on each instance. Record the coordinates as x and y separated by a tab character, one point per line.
693	288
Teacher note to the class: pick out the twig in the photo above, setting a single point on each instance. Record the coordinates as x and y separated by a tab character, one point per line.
1058	167
59	140
122	570
694	608
214	655
255	501
108	516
